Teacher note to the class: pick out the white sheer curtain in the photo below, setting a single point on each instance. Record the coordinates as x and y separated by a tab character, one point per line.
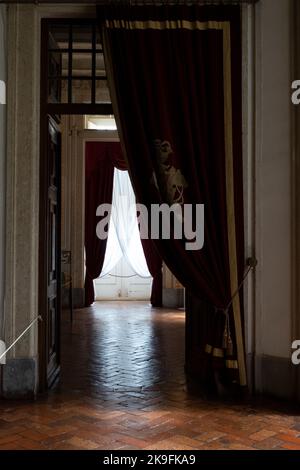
123	235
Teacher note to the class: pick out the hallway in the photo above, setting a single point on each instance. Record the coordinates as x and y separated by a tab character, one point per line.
123	387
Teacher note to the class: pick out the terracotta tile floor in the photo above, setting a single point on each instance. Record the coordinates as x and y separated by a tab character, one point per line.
123	387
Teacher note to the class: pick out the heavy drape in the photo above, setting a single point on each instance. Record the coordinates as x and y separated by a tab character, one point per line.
154	262
101	160
175	81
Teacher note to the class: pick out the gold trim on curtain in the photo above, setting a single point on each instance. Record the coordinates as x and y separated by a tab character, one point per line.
219	353
224	26
230	203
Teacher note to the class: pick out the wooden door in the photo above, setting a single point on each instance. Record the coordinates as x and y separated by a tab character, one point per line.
50	288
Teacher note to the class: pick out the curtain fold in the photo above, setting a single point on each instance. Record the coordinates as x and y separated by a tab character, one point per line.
175	80
99	170
154	262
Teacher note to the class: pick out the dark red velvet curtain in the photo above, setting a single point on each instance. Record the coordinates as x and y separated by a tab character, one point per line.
101	159
154	263
175	80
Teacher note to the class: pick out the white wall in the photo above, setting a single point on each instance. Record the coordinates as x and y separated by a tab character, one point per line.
273	178
22	195
2	161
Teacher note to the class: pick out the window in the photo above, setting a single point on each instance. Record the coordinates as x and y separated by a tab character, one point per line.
100	123
75	64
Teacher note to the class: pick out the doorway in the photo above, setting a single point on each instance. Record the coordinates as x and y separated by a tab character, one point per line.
125	274
73	82
123	284
74	96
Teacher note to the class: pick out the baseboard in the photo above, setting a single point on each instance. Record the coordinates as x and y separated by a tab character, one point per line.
173	298
276	377
19	379
78	297
250	367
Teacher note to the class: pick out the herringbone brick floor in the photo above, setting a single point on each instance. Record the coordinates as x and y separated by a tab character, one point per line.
123	387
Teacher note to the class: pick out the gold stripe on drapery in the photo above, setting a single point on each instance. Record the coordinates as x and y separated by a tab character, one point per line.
218	352
167	24
230	364
208	348
230	203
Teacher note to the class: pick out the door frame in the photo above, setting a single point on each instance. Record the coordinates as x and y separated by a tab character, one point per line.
249	159
46	381
52	111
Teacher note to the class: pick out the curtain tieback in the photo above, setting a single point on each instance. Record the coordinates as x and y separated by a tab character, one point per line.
227	339
227	343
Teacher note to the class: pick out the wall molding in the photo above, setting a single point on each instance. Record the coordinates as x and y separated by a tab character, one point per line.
22	173
275	376
19	379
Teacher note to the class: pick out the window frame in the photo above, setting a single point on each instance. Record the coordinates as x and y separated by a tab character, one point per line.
69	107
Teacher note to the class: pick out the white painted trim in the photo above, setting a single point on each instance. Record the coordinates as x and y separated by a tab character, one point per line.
2	92
272	181
248	81
22	189
99	136
66	11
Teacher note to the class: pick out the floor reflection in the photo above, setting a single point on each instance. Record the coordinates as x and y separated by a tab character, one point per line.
123	388
128	346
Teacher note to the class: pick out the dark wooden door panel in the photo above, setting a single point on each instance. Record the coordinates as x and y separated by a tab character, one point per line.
52	317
